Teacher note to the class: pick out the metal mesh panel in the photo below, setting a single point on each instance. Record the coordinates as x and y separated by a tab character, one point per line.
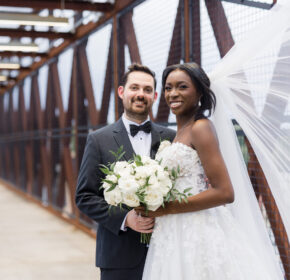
78	94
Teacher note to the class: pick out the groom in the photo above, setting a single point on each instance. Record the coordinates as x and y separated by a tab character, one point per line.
119	253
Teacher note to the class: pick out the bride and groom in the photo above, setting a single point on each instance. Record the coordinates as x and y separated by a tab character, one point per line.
195	240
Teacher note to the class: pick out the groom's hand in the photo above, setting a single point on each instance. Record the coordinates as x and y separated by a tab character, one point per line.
139	223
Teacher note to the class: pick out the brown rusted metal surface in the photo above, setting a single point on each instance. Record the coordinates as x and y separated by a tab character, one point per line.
174	57
186	18
129	32
85	77
262	190
116	65
220	25
108	85
56	4
16	33
49	154
195	54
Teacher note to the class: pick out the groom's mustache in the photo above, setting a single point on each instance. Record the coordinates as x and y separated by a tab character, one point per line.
139	99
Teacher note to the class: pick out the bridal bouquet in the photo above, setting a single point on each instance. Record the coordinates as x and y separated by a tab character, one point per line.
140	182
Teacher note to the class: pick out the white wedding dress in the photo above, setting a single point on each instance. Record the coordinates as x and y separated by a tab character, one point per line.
202	245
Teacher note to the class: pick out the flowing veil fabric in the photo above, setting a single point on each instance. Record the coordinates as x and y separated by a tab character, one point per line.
235	81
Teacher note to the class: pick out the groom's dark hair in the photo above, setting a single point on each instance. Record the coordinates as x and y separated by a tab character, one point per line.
136	67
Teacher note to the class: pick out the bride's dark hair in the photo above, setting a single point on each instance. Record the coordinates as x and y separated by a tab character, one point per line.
200	81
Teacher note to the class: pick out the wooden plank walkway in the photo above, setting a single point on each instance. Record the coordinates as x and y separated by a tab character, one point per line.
35	244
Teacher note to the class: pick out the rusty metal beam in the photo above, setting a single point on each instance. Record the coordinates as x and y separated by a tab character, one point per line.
224	37
56	4
173	58
107	86
23	54
20	69
2	147
252	3
67	172
186	17
9	129
16	33
116	66
85	78
44	156
262	189
195	32
81	32
220	26
130	36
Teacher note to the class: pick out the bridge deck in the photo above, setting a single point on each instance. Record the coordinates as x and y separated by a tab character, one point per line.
35	244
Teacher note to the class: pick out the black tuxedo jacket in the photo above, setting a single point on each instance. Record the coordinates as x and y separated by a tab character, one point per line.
115	248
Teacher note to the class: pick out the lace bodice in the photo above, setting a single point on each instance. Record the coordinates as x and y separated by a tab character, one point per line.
191	171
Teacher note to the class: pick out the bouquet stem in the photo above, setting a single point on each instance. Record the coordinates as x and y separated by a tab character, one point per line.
145	238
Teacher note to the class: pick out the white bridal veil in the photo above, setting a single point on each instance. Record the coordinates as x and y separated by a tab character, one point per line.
236	80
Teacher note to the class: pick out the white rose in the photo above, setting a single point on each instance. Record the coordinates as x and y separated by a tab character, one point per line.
160	187
149	161
163	145
153	180
141	181
131	199
113	197
125	173
153	199
165	187
106	185
143	171
112	178
128	184
121	166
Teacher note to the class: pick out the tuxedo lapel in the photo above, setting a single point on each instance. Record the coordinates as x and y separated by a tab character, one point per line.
121	137
156	137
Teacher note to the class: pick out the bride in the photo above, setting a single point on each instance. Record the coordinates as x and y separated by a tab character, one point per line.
209	237
198	239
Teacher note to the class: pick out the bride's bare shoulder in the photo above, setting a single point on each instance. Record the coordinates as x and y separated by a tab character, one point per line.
203	131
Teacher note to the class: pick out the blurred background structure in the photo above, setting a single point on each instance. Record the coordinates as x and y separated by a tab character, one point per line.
61	62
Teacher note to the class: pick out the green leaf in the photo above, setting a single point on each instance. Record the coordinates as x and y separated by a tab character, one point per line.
138	163
119	154
109	181
111	188
187	190
105	170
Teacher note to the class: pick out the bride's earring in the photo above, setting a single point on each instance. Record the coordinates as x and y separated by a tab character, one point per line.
199	103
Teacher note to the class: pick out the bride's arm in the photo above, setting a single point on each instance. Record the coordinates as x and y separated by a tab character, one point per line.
203	138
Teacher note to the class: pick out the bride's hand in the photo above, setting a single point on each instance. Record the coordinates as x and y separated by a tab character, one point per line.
161	211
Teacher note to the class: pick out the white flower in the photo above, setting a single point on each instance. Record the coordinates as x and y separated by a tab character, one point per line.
153	180
113	197
106	185
141	182
121	167
163	145
153	198
131	199
128	184
112	178
160	187
143	171
148	161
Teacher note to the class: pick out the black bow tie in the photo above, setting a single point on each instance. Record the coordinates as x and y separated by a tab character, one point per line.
146	127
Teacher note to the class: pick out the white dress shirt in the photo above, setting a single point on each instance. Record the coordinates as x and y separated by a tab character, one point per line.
141	144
